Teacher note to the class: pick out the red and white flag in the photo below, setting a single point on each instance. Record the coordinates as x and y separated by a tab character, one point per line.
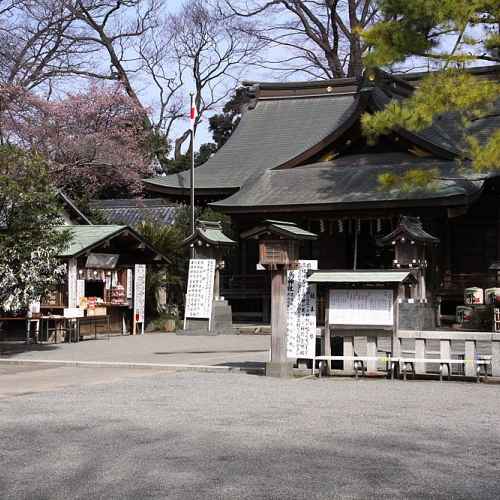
194	112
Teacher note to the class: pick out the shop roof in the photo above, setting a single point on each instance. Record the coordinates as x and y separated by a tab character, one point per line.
86	238
361	276
353	182
135	211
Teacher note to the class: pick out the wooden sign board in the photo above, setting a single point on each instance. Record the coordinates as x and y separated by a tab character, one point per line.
360	307
200	289
301	311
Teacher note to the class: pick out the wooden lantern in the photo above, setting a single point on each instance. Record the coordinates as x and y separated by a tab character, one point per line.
278	252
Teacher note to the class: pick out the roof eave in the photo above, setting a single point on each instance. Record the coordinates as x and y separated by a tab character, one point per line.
451	201
199	235
109	237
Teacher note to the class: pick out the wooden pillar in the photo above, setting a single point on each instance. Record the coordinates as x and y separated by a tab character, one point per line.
498	237
420	354
243	262
396	344
279	366
470	357
371	351
447	254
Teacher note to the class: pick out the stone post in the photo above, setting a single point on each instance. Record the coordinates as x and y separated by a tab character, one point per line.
495	355
371	351
470	358
445	350
348	351
419	353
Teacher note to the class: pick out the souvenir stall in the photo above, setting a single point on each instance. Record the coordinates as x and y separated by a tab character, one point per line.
105	287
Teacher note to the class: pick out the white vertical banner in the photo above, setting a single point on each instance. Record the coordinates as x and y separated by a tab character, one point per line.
301	311
80	291
72	283
139	292
200	289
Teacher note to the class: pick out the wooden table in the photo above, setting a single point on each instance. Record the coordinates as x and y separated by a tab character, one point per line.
29	322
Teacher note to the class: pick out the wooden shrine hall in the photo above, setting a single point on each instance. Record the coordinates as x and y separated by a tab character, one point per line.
298	154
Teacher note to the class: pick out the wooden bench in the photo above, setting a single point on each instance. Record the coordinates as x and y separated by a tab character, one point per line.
404	364
409	363
358	362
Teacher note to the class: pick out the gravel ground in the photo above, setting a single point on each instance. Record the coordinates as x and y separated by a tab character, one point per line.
232	436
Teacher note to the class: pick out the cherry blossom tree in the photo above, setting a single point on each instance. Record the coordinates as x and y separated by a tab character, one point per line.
93	140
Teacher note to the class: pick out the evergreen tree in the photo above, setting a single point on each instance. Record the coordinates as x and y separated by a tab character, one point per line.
449	34
29	242
222	125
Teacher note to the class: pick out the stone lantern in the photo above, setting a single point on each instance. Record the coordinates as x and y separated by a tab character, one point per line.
410	242
278	251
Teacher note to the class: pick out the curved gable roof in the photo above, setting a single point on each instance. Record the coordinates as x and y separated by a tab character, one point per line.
352	182
274	132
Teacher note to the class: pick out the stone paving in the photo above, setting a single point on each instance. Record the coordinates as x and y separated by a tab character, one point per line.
156	348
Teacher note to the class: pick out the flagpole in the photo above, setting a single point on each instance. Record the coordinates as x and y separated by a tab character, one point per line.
193	118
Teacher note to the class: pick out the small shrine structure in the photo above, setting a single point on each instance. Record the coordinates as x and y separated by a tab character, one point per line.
279	244
208	243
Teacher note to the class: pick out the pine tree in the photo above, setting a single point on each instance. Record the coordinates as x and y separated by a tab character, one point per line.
450	35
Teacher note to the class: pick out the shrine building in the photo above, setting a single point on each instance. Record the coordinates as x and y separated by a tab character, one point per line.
299	155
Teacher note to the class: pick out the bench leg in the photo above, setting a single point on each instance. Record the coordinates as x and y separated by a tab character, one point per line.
441	372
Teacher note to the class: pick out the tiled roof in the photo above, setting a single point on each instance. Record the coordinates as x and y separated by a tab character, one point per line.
276	131
133	212
290	124
349	181
87	236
